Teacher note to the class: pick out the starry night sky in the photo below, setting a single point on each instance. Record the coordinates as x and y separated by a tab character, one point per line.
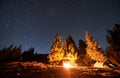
34	23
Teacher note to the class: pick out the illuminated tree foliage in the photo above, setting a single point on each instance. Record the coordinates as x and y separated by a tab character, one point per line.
94	50
60	51
113	49
70	50
56	52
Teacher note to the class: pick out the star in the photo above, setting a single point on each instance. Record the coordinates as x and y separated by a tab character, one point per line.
6	25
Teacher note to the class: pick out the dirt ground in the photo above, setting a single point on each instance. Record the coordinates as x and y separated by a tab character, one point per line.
35	70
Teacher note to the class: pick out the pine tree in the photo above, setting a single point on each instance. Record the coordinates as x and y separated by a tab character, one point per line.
113	49
83	58
94	50
56	52
70	50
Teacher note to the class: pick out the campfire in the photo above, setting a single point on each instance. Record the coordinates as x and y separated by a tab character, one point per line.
69	65
69	61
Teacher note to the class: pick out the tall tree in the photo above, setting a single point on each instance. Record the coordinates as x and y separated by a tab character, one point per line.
94	50
83	58
56	52
113	49
70	49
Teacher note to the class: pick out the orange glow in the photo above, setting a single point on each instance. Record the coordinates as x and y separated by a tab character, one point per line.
98	64
67	65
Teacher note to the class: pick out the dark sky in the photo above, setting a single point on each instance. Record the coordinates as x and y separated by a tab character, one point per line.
34	23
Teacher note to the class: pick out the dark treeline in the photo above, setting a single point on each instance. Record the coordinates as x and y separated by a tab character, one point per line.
15	54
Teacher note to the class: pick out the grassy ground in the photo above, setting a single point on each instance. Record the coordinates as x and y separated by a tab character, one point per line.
40	70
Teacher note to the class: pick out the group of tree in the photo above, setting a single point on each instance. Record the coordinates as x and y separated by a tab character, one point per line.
15	54
88	52
62	51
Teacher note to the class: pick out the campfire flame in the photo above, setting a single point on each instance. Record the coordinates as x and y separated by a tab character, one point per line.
67	65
